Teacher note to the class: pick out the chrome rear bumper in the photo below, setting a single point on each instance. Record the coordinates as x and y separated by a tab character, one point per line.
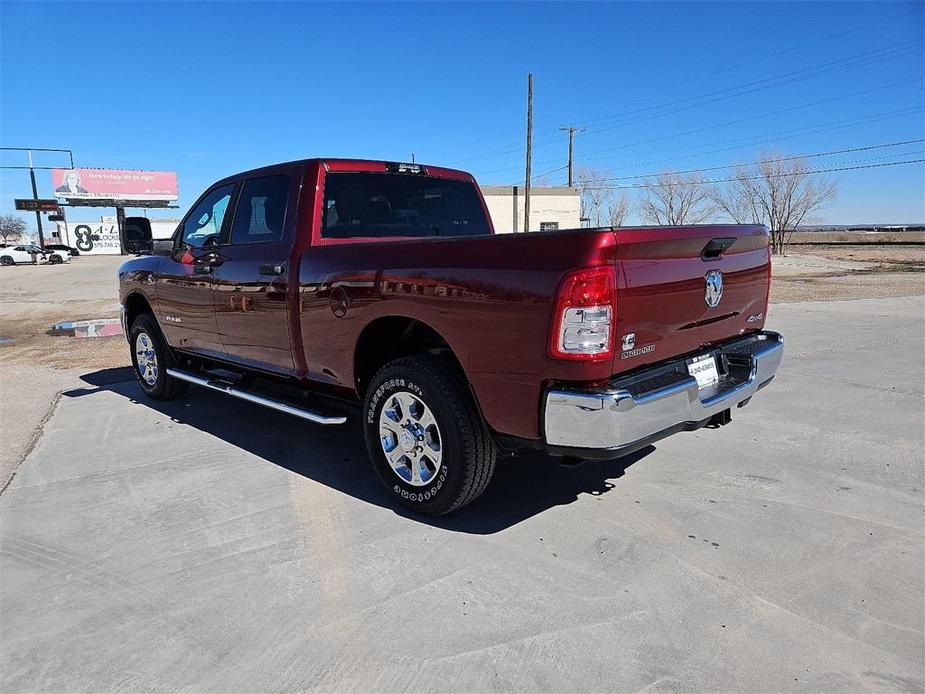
634	410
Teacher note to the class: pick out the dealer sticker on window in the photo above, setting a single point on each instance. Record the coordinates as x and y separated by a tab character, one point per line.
704	370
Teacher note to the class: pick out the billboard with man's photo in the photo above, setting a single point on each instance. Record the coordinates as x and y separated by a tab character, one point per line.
114	184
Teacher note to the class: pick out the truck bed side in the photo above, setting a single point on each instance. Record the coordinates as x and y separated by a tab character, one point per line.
488	297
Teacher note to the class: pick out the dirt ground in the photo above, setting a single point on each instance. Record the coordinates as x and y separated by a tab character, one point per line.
844	272
34	297
907	255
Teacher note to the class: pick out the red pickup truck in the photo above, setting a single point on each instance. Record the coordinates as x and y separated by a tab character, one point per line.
309	285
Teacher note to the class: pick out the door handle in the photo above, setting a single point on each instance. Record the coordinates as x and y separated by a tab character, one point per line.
271	270
205	263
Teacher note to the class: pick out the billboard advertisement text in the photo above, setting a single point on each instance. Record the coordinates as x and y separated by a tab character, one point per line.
114	184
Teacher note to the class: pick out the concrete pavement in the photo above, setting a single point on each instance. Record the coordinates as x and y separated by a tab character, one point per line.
210	545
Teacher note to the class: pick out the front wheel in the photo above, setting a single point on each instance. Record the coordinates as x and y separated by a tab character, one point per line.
425	436
151	358
54	260
7	260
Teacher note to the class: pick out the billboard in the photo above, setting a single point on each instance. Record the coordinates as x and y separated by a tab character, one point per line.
102	237
114	184
91	238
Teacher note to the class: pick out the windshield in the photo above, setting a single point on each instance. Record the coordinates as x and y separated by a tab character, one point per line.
384	204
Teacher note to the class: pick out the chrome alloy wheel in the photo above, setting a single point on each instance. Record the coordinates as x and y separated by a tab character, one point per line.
410	438
146	358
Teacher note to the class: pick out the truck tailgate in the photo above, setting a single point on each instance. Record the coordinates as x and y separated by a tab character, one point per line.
662	308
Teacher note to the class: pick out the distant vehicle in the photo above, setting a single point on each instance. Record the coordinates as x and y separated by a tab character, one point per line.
73	252
386	287
29	254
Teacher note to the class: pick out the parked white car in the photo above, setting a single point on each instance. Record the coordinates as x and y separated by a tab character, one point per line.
24	254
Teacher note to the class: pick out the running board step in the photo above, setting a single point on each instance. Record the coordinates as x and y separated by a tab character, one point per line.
242	394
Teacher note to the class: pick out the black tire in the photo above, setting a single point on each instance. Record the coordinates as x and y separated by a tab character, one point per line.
54	259
156	383
467	448
7	260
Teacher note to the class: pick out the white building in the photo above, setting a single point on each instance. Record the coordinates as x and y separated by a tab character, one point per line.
551	208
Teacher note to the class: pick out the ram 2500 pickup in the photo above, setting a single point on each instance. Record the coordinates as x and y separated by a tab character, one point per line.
304	285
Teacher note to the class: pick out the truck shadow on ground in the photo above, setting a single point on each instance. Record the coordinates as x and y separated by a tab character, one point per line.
523	485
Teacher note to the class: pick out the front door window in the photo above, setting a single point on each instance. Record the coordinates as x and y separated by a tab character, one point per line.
204	223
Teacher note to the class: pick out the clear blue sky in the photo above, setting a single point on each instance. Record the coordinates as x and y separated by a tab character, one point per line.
210	89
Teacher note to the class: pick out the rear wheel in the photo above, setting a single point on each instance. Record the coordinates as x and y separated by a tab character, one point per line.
6	260
425	436
151	358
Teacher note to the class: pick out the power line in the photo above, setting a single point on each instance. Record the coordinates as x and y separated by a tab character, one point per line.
758	116
540	175
776	112
780	175
786	78
761	56
640	143
738	143
775	161
858	59
821	69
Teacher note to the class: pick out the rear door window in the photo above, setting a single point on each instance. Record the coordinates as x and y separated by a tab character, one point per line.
370	205
261	210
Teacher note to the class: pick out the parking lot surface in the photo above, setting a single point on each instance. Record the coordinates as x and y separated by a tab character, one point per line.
209	545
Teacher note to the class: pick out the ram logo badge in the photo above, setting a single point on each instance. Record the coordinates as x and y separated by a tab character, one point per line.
629	341
714	289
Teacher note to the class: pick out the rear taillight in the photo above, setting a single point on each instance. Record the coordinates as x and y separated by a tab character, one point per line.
583	321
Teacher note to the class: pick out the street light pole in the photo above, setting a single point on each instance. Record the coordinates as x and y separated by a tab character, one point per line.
32	168
35	196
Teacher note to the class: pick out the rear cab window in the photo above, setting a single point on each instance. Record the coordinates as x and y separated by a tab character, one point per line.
388	205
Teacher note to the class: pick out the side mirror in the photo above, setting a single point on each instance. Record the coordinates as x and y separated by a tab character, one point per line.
162	246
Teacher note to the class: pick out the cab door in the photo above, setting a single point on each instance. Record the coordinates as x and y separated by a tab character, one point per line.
252	279
184	282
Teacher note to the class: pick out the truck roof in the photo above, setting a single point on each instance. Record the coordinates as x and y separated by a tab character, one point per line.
346	164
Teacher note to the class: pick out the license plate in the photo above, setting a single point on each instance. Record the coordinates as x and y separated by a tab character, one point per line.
704	370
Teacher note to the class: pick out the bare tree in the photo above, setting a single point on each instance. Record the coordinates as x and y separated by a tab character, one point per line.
11	227
673	199
600	204
620	207
595	195
778	192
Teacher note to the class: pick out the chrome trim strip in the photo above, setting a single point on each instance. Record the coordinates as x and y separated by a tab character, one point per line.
241	394
615	419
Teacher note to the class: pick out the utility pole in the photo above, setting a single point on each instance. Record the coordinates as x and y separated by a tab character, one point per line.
571	130
35	196
529	151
